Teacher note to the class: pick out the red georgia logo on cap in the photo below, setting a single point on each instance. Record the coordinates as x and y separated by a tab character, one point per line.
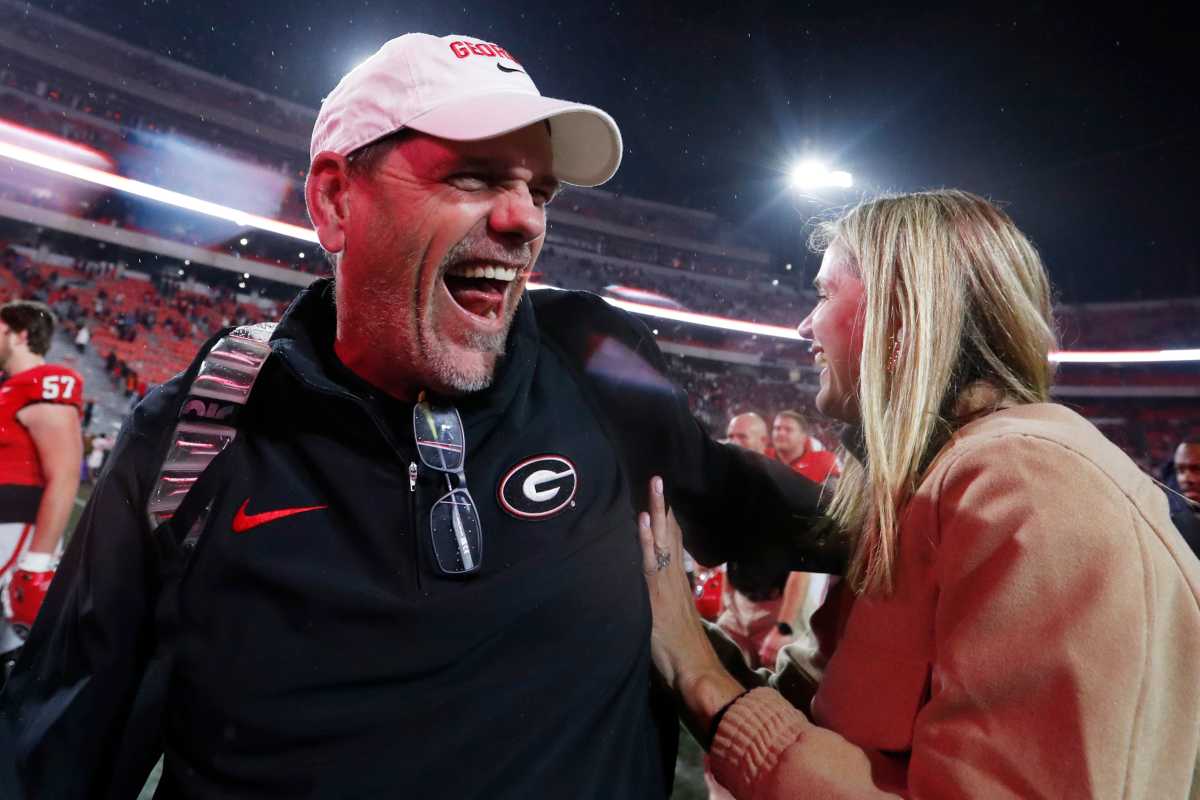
463	49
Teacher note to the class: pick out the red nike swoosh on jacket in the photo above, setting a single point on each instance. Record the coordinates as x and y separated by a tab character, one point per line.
243	522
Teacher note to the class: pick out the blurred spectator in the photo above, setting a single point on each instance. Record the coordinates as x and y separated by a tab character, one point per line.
1187	473
748	431
101	445
794	447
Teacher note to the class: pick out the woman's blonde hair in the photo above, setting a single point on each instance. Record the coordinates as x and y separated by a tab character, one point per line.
955	297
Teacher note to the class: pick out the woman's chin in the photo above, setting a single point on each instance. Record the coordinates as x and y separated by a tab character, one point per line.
827	401
836	406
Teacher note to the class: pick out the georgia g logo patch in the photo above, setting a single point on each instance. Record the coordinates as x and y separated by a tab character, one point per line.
538	488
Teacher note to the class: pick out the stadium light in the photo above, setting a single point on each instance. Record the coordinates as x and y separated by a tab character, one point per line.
692	318
811	174
56	146
151	192
1125	356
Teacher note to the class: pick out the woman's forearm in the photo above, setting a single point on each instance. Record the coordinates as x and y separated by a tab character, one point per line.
702	696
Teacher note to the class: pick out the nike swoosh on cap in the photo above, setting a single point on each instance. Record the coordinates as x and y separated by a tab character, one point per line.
243	522
503	68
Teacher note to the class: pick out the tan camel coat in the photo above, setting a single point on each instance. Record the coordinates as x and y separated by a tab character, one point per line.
1043	639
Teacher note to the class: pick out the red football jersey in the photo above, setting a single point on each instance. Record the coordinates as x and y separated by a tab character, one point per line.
816	465
49	383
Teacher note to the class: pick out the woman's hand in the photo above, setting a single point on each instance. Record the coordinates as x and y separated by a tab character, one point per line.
678	643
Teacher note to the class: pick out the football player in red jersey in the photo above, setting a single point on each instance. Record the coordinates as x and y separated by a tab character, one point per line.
40	450
792	446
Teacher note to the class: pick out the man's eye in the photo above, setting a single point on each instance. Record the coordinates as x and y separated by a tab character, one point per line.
468	182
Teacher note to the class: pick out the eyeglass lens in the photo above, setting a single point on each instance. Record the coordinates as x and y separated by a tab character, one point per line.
454	524
439	436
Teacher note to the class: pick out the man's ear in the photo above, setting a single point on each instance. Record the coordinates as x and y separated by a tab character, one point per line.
327	194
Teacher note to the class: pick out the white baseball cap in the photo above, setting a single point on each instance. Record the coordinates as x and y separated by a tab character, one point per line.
463	89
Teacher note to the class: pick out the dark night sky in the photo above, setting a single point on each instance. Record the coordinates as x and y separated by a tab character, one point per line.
1083	123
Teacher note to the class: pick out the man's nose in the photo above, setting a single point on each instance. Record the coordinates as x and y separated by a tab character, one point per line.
515	215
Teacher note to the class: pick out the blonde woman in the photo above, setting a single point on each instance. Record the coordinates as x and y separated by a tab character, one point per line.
1019	618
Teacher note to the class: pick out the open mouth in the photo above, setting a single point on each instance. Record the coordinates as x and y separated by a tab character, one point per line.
479	289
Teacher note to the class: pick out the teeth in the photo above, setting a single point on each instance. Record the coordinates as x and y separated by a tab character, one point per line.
491	313
494	273
819	359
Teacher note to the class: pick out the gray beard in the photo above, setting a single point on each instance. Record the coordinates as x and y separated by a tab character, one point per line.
451	374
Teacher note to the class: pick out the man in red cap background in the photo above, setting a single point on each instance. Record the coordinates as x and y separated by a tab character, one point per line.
416	569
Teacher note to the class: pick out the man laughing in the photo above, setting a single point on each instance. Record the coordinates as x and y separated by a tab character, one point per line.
415	572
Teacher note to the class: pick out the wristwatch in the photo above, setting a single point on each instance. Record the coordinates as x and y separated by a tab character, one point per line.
785	629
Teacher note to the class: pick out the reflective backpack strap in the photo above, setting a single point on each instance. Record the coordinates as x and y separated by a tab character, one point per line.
205	426
207	422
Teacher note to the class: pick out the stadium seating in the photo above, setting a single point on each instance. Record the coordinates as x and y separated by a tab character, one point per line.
151	329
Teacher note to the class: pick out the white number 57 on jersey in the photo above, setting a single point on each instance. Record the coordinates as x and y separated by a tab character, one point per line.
56	386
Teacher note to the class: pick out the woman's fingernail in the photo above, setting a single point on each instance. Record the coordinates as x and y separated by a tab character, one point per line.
644	519
657	483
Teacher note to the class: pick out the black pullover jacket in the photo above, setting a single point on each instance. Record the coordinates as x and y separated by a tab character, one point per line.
323	654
